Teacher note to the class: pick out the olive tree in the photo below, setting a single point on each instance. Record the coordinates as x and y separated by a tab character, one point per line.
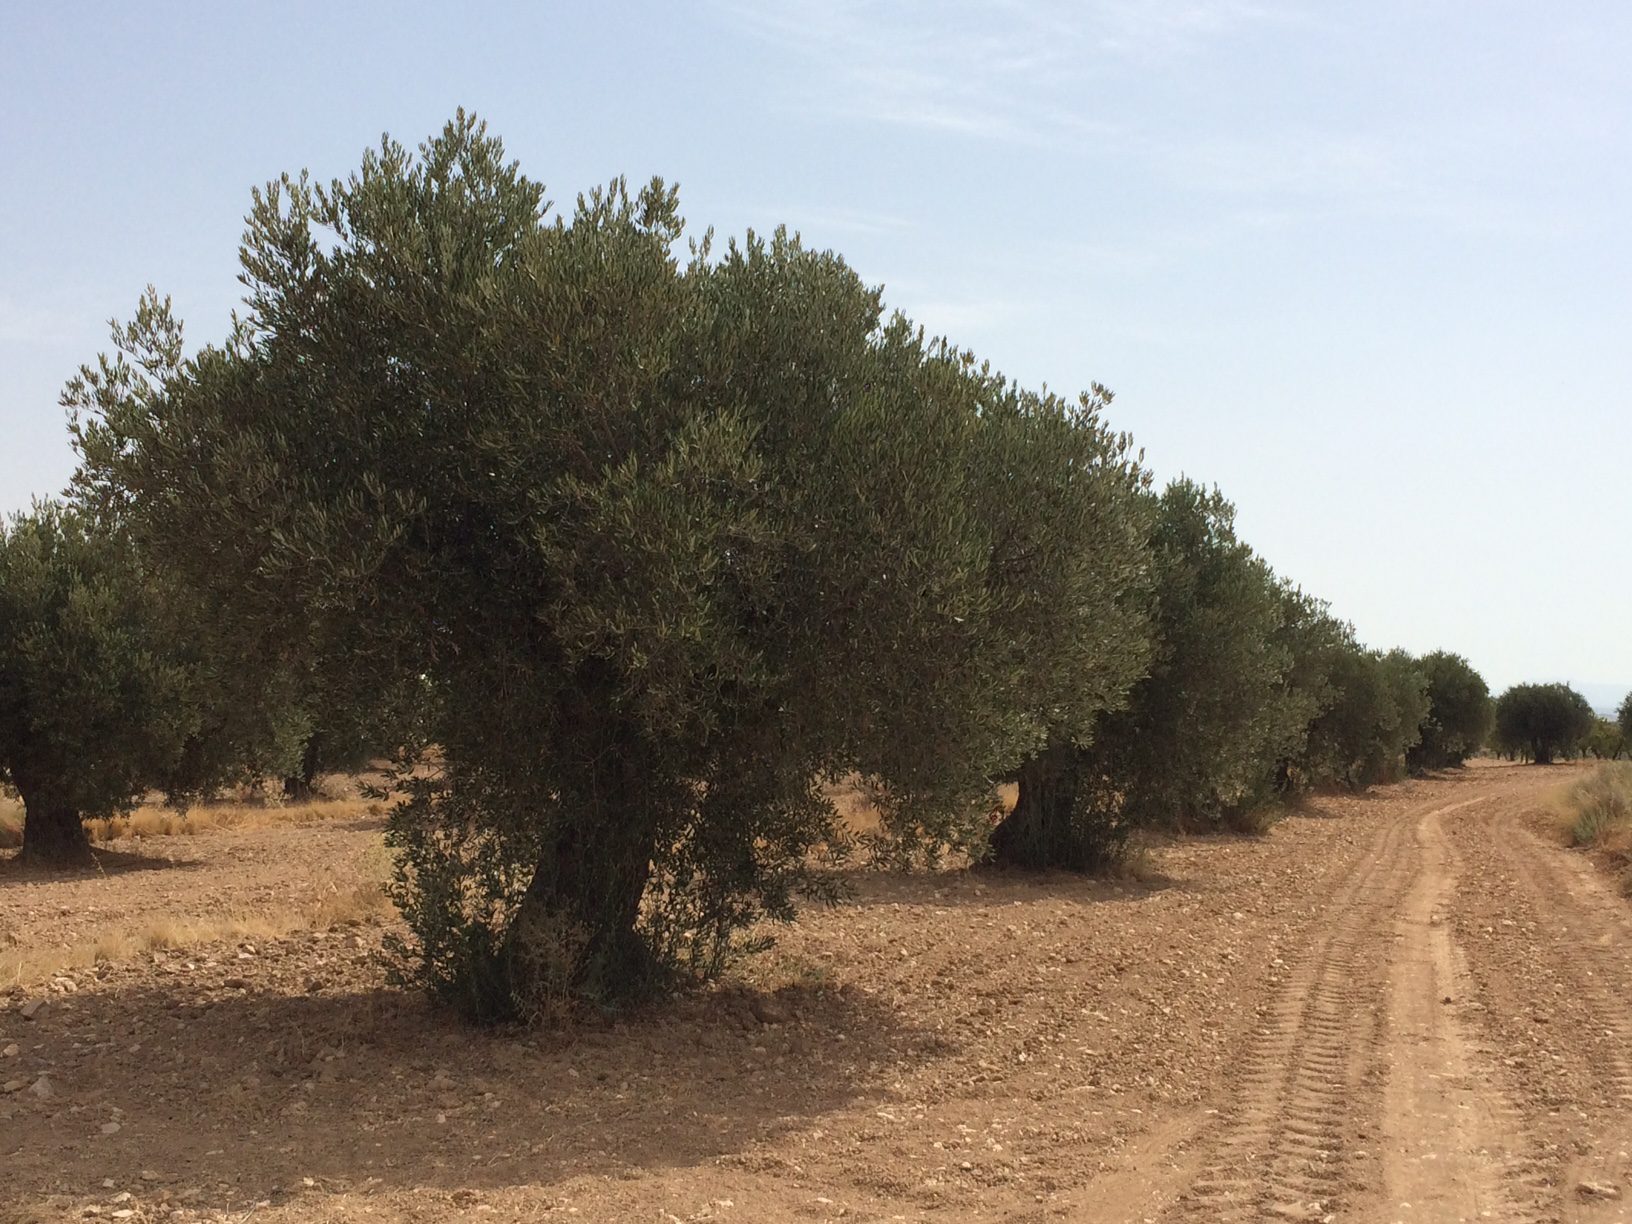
1623	716
1460	712
1606	740
1199	734
671	536
93	707
1542	721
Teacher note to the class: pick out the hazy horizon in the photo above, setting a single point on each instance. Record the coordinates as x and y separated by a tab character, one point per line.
1368	272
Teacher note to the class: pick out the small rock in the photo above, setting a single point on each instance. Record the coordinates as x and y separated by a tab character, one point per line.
768	1009
42	1088
122	1197
236	983
110	1128
11	1051
124	1213
1598	1190
108	1184
149	1176
13	1085
34	1009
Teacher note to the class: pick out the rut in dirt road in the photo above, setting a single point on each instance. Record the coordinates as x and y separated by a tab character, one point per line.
1283	1149
1377	1085
1453	1143
1549	955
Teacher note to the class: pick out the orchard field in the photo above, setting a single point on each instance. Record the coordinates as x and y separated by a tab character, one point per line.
1412	996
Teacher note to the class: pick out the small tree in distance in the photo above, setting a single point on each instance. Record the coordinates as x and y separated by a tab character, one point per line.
1541	722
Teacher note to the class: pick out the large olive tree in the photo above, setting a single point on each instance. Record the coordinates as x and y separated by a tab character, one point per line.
670	538
93	706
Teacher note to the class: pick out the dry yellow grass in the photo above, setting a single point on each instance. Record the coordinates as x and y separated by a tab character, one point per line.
362	903
11	823
1595	812
154	821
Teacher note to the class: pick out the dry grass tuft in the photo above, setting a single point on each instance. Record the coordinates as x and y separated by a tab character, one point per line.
1596	813
154	821
356	905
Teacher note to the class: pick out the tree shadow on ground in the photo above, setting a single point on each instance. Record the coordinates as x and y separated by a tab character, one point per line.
103	863
987	885
229	1099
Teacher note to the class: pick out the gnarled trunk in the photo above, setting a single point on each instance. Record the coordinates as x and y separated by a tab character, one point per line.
1042	830
575	933
53	832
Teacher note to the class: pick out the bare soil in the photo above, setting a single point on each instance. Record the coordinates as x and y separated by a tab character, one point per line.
1411	1005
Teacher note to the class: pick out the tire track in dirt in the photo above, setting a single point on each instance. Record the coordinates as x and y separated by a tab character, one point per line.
1550	948
1595	945
1453	1144
1307	1077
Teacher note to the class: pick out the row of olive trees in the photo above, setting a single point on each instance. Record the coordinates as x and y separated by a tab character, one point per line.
649	545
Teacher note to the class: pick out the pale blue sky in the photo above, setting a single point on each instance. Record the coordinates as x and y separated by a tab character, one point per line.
1365	266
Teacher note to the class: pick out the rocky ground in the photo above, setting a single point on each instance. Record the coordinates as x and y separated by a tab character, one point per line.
1409	1005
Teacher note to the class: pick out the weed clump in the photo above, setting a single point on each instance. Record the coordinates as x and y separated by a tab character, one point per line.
1598	815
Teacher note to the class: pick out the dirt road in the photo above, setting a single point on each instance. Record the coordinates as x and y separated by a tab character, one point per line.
1449	1043
1404	1006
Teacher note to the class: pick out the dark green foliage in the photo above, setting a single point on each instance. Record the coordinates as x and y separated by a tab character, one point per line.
93	709
1623	717
669	541
1370	724
1606	740
1317	644
1540	722
1344	740
1197	743
1460	712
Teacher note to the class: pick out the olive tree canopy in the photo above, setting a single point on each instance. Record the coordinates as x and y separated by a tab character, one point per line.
668	537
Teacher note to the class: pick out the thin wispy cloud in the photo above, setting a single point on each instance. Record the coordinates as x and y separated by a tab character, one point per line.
1054	76
1021	71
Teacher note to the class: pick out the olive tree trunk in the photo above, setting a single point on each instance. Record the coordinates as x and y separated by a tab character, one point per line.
53	832
576	931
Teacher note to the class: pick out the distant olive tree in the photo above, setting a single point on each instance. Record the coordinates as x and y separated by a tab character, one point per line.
670	538
1623	717
1460	712
1542	721
1606	740
93	707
